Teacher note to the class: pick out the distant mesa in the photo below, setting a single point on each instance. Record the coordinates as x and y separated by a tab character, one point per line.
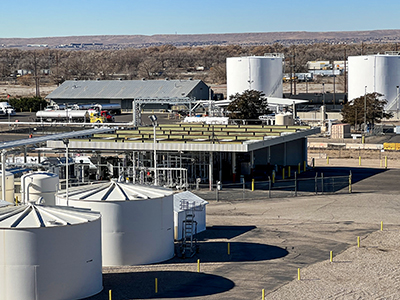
185	40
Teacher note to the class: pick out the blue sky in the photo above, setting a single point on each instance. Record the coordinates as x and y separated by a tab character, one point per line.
42	18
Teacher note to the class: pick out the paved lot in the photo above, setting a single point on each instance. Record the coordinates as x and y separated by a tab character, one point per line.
269	240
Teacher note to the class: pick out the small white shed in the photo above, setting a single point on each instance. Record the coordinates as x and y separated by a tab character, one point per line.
187	202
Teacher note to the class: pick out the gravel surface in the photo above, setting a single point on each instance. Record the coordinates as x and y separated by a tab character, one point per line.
369	272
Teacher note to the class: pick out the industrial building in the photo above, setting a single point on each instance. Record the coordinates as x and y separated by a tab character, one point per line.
378	73
159	93
178	154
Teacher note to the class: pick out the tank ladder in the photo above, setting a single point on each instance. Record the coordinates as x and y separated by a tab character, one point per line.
188	246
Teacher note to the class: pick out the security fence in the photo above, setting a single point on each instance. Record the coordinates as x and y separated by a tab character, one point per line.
292	187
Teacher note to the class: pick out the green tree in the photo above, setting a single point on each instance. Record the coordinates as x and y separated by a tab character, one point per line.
249	105
353	111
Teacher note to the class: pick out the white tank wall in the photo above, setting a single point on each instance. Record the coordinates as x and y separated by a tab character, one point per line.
51	263
43	184
133	232
254	73
9	186
379	73
179	217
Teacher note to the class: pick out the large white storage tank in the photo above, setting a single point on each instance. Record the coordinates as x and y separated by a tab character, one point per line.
49	253
375	73
137	220
261	73
39	185
9	186
188	202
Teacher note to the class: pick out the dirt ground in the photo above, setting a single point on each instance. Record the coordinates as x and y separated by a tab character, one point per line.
271	238
29	91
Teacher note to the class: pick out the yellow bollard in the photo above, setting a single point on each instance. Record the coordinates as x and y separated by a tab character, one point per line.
273	176
283	173
299	168
263	294
359	160
30	110
289	172
327	160
386	163
198	266
109	295
363	139
229	248
252	185
298	274
305	166
358	242
156	285
331	256
381	225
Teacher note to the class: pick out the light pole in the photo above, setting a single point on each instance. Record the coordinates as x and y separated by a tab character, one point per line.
66	142
365	114
153	119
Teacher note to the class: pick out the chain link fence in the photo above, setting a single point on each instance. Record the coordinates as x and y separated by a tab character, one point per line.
291	187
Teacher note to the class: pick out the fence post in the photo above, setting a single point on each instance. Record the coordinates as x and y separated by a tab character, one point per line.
350	188
316	183
244	186
322	183
295	184
269	187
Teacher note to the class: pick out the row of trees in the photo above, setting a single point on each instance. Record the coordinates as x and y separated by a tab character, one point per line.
368	109
163	61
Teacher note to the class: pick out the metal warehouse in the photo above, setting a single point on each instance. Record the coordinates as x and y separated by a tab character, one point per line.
123	92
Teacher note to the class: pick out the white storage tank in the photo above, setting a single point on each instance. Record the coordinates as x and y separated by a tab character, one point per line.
39	185
188	202
375	73
49	253
261	73
9	186
137	220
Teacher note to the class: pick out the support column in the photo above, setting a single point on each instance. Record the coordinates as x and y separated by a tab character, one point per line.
220	166
210	171
284	153
252	163
233	166
3	175
134	167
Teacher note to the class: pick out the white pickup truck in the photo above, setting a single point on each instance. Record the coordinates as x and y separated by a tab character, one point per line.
6	109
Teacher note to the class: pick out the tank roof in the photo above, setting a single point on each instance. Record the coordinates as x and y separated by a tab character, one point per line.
36	216
115	191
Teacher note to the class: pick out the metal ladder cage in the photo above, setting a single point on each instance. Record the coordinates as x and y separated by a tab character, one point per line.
188	243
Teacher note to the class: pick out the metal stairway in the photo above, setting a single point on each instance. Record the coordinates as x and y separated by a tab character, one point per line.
188	245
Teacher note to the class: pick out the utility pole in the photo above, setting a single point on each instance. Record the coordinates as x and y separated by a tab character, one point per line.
294	70
345	73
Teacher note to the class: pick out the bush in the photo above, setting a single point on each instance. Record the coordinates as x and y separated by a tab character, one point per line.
28	104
